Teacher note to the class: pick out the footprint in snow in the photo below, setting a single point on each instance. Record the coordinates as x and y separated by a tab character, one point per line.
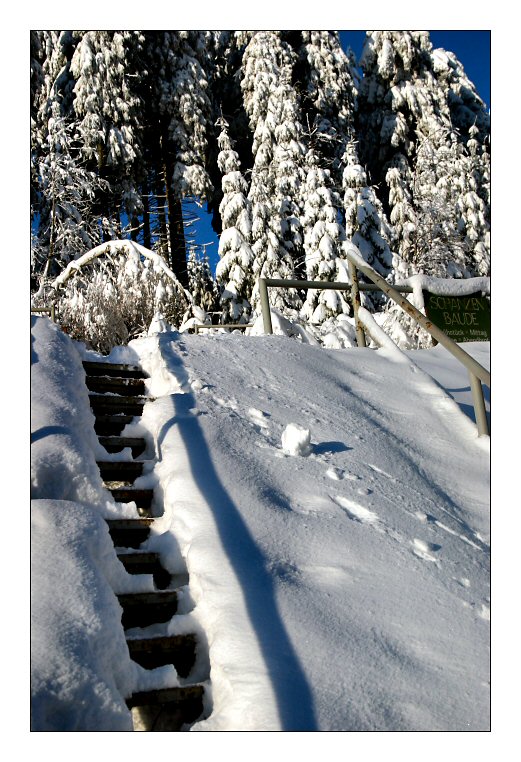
424	549
381	471
355	511
426	518
338	474
258	417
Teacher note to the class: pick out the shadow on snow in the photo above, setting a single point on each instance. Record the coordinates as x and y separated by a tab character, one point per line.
290	685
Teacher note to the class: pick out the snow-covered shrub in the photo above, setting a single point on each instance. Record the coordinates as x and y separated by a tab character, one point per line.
113	298
89	312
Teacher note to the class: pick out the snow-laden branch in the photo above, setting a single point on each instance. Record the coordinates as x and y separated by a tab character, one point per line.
116	247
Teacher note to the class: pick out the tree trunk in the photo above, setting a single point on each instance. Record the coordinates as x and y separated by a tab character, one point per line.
177	238
161	218
147	238
175	217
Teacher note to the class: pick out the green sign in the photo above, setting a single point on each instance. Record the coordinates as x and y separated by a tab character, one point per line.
463	318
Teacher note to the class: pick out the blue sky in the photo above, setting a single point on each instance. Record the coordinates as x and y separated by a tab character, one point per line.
472	48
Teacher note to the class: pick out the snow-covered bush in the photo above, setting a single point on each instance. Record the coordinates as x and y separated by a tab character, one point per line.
113	297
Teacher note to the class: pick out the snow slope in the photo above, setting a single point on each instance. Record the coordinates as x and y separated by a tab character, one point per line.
341	585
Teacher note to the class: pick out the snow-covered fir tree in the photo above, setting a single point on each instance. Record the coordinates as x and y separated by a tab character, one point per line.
467	109
178	115
399	101
189	119
68	189
365	222
398	158
402	216
234	271
104	103
323	243
440	247
225	50
474	204
267	67
201	283
109	118
409	97
328	87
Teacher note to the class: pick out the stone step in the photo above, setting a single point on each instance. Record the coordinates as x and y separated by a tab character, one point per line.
141	497
144	609
129	533
117	443
167	709
113	369
146	563
110	404
120	470
178	650
128	387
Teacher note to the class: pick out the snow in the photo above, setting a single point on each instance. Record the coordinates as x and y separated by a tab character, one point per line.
296	440
343	586
78	669
445	286
115	247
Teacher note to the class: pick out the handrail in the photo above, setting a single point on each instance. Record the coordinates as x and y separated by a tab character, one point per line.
197	326
51	310
476	371
392	292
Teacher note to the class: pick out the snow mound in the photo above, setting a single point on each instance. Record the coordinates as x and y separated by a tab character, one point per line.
296	440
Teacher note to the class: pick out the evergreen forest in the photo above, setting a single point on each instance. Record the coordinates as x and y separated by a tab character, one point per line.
294	147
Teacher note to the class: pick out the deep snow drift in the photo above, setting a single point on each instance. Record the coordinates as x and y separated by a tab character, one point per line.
341	576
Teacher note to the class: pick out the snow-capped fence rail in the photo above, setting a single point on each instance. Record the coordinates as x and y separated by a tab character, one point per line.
478	374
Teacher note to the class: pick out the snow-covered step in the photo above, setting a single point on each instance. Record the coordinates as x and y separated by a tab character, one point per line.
110	404
144	609
129	533
178	650
120	470
111	425
126	386
146	563
141	497
167	709
113	369
118	443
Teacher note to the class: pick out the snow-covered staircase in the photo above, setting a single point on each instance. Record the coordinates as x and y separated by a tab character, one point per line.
117	397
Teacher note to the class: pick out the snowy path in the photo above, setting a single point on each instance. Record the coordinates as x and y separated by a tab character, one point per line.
345	590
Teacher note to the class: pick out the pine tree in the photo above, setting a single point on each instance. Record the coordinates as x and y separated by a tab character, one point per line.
51	97
399	101
236	257
202	286
226	50
365	222
474	204
68	189
327	79
323	243
104	103
179	111
109	117
440	248
267	68
467	110
409	98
